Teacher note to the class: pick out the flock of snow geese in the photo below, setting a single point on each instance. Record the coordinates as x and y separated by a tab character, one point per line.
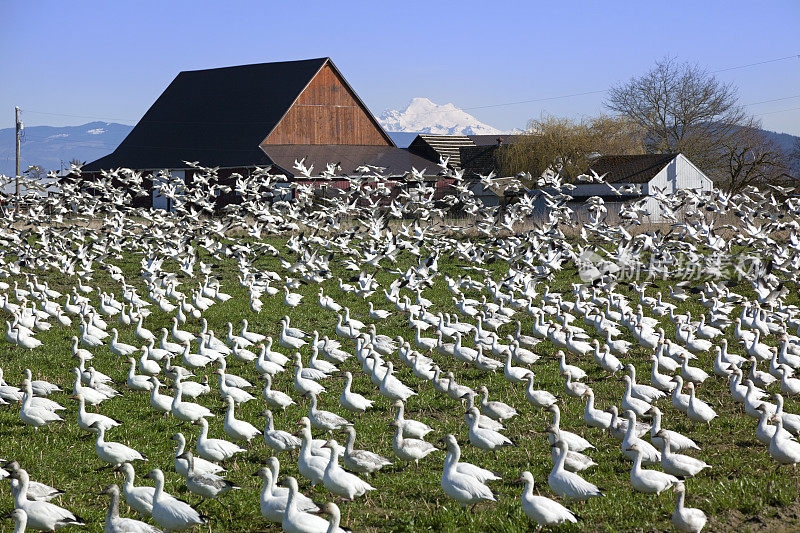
499	315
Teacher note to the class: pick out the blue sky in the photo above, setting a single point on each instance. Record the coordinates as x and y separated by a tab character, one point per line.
111	60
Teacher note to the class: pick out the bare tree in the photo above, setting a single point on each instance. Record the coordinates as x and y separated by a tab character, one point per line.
682	108
567	147
752	158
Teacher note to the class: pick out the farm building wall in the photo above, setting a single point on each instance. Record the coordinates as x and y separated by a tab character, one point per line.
327	112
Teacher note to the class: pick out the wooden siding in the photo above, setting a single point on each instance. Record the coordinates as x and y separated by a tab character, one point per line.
326	113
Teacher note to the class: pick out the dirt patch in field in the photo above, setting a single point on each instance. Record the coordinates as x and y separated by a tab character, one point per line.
774	520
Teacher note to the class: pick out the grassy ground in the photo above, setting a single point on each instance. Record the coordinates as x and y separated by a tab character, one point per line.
743	491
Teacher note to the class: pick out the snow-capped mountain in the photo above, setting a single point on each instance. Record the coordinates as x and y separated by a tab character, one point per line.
423	116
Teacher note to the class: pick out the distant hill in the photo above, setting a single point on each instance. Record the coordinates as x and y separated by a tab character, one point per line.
49	146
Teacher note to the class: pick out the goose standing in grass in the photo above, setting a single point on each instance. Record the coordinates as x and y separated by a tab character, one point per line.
40	387
650	481
392	388
278	440
483	438
297	521
340	482
594	417
302	384
494	409
686	519
515	374
454	456
325	420
43	516
239	396
569	484
409	449
273	499
34	416
543	511
648	453
274	398
169	512
238	429
538	398
677	441
352	401
36	490
678	464
137	381
201	466
464	488
86	420
120	348
159	402
574	441
310	465
205	485
576	372
117	524
20	518
411	428
139	498
785	450
217	450
113	453
698	410
186	411
361	461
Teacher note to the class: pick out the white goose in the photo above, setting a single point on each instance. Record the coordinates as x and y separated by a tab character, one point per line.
200	465
464	488
43	516
139	498
361	461
117	524
214	449
113	453
274	398
408	449
678	464
454	456
650	481
340	482
273	499
543	511
569	484
187	411
352	401
686	519
169	512
484	438
237	429
280	441
698	410
411	428
297	521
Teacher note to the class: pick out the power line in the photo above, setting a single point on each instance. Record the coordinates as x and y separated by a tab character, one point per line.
795	56
486	106
778	111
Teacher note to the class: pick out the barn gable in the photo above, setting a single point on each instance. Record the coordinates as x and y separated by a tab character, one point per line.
327	111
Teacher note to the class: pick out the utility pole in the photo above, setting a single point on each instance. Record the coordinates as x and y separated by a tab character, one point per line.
19	128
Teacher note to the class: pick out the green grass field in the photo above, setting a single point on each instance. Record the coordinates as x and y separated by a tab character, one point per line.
743	491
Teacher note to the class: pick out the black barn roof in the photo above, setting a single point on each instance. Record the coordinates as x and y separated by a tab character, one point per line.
215	116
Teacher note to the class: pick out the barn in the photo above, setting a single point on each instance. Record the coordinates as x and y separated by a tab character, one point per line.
268	114
630	178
